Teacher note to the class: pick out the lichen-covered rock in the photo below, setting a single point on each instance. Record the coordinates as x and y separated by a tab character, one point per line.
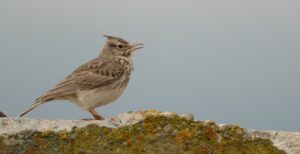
289	141
133	132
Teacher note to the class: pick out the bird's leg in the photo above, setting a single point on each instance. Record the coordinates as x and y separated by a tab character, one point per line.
95	114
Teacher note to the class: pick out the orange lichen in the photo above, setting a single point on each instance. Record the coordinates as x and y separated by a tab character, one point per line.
155	134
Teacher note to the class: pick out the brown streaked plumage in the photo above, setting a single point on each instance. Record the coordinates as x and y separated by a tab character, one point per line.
2	114
97	82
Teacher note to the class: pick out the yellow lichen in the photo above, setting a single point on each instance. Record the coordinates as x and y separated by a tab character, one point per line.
155	134
63	134
46	133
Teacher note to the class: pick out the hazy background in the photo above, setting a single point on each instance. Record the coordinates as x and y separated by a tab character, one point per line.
229	61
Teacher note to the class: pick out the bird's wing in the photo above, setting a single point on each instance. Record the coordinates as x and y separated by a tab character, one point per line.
93	74
99	74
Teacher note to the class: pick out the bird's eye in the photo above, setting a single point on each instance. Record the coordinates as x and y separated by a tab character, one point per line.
120	46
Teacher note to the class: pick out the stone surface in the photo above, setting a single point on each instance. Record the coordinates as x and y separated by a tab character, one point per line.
139	132
10	126
288	141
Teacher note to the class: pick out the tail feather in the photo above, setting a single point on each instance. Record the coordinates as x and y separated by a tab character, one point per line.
33	106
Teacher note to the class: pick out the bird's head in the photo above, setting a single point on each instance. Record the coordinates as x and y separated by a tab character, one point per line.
116	46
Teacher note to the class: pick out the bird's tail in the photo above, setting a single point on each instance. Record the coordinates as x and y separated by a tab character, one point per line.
33	106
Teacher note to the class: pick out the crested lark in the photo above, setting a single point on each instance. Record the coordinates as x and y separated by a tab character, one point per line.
97	82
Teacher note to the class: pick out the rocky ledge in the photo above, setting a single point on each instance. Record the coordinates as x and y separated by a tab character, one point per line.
140	132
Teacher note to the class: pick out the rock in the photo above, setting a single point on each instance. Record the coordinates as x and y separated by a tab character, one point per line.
288	141
147	131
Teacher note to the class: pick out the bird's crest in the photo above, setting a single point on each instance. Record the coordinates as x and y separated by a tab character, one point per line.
117	38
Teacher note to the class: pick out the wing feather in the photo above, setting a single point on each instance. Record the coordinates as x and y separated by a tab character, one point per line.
93	74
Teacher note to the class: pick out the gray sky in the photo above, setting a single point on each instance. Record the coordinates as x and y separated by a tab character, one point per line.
228	61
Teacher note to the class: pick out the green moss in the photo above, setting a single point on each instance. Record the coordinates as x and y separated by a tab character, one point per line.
156	134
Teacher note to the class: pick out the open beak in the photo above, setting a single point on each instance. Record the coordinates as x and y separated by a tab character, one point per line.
135	46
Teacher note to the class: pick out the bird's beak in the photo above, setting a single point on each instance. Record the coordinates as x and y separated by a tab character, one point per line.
135	46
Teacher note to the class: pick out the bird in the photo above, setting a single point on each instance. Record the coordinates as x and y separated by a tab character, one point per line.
2	114
98	82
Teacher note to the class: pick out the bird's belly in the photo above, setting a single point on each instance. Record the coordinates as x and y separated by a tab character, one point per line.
97	97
